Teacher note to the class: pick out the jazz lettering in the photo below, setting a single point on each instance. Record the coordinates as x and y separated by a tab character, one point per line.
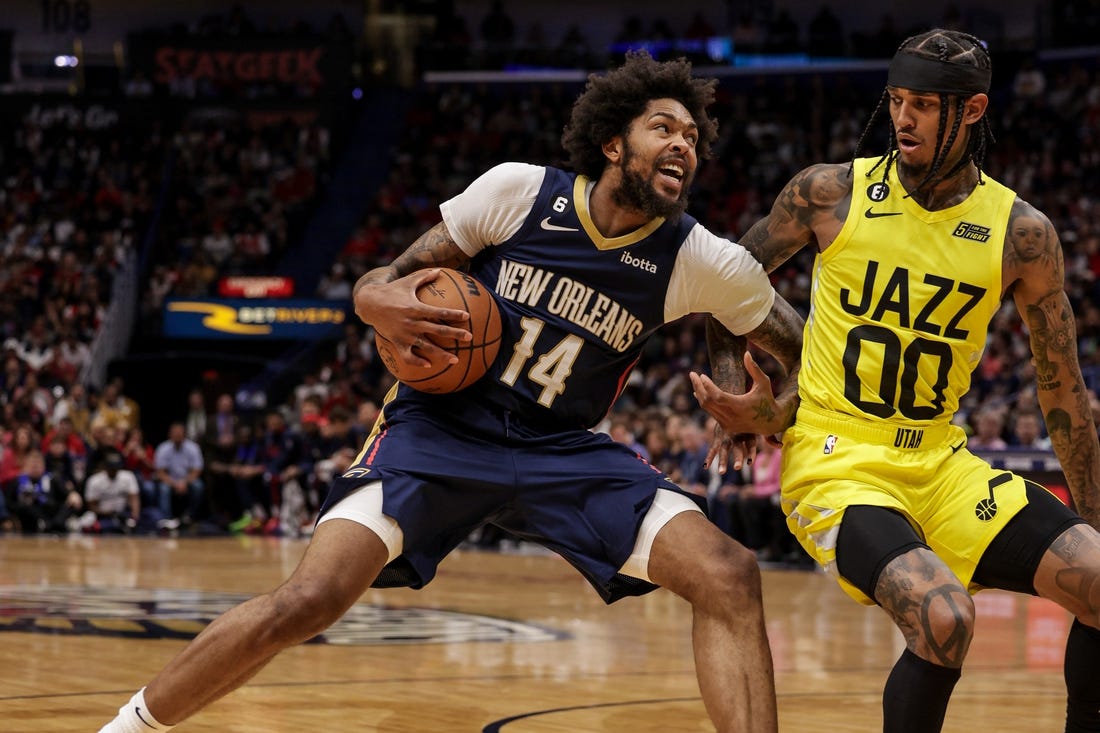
928	304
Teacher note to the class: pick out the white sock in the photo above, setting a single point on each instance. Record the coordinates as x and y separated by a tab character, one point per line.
134	717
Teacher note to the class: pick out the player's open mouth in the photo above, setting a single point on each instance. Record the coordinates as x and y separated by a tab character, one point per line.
907	144
672	175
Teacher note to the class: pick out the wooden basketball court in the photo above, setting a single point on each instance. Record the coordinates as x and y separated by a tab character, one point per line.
497	643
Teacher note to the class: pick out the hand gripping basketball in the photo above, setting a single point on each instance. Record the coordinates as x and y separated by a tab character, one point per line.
452	289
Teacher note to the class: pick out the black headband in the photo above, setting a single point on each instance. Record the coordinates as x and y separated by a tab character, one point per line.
932	75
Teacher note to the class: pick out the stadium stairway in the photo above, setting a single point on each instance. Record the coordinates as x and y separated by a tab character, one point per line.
360	167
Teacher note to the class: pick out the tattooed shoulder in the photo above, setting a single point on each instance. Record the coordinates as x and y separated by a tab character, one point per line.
1031	242
796	217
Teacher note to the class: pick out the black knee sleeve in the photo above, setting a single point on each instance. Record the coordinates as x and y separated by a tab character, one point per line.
916	695
1082	670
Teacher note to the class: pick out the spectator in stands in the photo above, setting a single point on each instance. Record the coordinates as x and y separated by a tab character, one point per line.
311	387
366	415
238	491
7	523
116	409
138	456
38	400
178	479
14	369
217	243
16	452
71	357
989	424
72	441
692	459
364	245
223	423
284	466
252	244
621	431
34	349
316	449
1029	82
195	421
113	497
1027	432
103	438
62	466
338	432
335	285
761	519
40	503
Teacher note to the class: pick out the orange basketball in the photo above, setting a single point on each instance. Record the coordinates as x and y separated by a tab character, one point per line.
452	289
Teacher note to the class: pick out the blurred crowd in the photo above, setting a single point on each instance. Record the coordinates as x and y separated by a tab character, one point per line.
500	37
74	202
238	196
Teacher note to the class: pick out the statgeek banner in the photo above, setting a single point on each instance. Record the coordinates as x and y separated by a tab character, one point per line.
251	318
310	65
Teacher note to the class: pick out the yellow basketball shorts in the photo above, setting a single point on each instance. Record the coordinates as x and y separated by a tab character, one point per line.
956	502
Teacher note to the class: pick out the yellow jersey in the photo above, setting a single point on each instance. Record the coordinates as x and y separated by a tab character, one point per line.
901	303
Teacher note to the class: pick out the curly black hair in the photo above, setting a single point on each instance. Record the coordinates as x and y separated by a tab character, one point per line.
954	47
611	102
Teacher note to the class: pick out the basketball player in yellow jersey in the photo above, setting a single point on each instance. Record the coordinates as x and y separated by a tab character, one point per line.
915	251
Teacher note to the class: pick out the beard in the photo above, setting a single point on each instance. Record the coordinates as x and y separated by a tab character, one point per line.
913	171
636	192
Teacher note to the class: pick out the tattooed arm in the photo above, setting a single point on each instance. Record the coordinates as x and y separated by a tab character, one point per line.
760	410
1035	270
385	298
727	353
781	336
810	208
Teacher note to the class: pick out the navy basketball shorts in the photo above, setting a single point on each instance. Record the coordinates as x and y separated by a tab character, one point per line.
424	482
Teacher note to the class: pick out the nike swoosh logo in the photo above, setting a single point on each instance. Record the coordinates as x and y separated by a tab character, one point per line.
142	718
545	224
876	214
955	448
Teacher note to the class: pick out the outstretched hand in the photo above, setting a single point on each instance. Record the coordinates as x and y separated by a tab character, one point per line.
755	411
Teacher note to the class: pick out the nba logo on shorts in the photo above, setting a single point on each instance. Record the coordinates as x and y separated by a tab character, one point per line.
830	445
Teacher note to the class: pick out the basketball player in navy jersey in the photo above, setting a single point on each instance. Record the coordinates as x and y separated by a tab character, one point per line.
585	265
915	251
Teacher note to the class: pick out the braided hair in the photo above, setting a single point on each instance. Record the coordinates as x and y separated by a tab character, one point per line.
950	47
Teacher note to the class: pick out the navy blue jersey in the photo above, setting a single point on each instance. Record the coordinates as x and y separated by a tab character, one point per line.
575	314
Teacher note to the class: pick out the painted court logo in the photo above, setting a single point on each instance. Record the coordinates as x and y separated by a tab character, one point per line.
135	613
